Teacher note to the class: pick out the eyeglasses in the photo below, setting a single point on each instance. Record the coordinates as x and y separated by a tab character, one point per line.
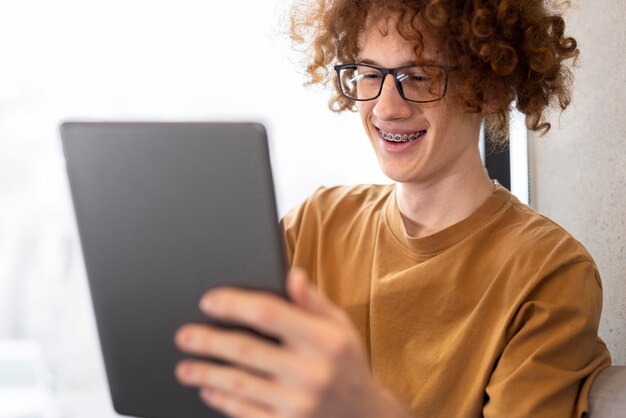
415	83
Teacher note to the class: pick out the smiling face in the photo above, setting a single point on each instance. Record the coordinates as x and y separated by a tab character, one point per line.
446	137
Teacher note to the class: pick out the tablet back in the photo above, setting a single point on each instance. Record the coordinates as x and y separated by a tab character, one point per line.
166	211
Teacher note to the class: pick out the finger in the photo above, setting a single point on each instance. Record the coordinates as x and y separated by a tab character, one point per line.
247	386
266	313
231	405
297	286
239	348
305	295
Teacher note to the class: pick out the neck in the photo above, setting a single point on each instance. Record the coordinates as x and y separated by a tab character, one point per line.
431	206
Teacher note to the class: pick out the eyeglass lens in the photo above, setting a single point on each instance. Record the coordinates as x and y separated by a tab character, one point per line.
419	83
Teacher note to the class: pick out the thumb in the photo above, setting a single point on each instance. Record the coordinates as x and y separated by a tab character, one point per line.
306	296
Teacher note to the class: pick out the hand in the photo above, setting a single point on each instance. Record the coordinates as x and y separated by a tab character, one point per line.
320	370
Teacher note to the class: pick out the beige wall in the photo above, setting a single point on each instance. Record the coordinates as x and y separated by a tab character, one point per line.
578	171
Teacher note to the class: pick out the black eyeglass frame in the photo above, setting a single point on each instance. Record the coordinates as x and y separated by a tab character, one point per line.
394	72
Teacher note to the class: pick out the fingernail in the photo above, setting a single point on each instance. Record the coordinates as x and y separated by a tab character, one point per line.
184	371
207	394
207	304
183	338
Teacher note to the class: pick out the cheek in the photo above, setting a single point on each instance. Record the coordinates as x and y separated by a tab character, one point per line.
441	117
365	110
456	129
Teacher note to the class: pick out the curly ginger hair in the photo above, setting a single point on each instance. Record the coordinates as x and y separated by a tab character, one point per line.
506	51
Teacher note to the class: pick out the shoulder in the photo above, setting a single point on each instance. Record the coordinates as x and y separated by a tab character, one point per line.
535	241
338	202
332	213
542	231
357	196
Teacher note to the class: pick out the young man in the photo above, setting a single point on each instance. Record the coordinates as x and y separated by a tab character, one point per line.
441	295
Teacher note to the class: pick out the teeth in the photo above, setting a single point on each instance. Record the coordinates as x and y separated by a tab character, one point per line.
400	138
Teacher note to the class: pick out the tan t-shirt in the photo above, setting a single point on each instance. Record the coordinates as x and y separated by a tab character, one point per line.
496	315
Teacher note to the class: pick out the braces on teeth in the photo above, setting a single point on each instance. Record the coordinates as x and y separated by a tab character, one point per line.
400	138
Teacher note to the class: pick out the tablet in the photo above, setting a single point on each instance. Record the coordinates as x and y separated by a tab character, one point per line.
166	211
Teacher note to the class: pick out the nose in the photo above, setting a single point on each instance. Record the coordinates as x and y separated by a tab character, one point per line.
390	105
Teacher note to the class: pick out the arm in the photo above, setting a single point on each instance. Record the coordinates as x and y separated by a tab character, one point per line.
553	351
320	370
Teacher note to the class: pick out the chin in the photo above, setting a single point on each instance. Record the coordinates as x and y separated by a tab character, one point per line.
398	175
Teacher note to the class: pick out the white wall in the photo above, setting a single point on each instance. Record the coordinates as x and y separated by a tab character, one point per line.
578	171
137	59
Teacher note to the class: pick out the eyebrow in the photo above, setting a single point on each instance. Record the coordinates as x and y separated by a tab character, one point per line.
372	62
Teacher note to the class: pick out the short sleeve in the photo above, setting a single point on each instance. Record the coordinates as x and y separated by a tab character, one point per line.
290	226
553	353
291	223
